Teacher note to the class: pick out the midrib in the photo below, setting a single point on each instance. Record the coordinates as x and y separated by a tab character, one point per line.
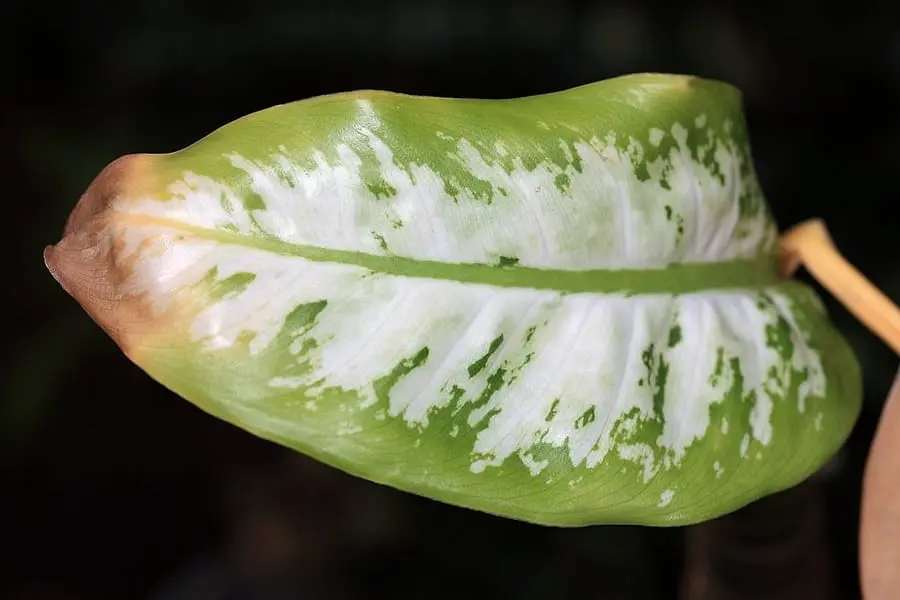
677	278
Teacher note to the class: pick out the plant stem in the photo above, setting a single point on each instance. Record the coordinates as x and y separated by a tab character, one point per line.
810	245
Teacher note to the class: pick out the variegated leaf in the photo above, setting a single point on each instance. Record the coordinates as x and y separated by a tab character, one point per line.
564	308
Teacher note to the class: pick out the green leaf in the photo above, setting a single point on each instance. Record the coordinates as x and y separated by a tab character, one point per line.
563	308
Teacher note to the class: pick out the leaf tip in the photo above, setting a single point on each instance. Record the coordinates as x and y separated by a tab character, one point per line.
84	261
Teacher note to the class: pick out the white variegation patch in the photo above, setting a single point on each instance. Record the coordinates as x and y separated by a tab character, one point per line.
560	387
607	217
666	498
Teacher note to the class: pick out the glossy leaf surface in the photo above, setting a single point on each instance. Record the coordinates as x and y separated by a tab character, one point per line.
563	308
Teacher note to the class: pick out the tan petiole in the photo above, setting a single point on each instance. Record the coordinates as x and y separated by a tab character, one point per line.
810	245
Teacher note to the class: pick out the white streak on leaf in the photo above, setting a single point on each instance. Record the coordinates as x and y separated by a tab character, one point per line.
666	498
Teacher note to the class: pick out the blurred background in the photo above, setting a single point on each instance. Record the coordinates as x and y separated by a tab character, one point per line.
113	488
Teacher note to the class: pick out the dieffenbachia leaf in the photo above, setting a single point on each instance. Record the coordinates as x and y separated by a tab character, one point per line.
564	309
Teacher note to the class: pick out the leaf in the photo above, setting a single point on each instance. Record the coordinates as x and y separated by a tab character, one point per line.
564	309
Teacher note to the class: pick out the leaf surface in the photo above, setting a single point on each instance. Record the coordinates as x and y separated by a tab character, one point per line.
563	308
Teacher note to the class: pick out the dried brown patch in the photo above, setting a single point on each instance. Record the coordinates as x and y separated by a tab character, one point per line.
85	261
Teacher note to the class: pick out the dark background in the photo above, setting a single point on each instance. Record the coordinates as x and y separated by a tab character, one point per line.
113	488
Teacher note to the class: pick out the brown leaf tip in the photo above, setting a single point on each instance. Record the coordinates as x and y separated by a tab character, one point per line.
84	260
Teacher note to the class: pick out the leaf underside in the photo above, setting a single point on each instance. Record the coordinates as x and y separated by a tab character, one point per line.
563	309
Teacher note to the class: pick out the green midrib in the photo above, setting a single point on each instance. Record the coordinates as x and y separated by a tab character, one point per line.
677	278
